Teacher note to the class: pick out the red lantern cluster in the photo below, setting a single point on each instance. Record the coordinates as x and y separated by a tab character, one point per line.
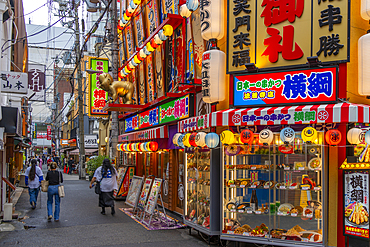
333	137
192	139
247	136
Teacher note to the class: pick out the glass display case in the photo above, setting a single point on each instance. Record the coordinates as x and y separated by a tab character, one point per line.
202	167
274	193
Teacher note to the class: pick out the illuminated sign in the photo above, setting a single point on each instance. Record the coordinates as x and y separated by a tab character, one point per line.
97	96
291	87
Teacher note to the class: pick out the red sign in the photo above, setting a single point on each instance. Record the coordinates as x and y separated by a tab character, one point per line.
288	87
48	133
41	135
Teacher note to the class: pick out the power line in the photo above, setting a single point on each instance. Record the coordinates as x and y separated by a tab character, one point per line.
36	43
32	11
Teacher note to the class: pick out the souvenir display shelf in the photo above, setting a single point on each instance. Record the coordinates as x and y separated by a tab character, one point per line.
202	206
275	195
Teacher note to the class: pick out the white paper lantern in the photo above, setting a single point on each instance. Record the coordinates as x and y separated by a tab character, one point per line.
367	137
266	136
184	11
365	9
175	138
287	135
214	76
213	21
200	139
354	136
363	65
192	4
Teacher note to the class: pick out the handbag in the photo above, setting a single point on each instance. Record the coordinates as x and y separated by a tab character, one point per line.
44	185
61	192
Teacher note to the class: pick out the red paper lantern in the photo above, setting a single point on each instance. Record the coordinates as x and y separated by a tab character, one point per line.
128	13
153	44
130	147
333	137
247	136
192	139
153	146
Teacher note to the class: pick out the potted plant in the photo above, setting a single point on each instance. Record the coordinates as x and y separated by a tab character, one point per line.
93	164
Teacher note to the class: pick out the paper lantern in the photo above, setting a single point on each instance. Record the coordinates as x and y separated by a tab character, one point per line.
192	139
128	147
153	146
158	40
175	139
333	137
147	146
365	9
184	11
119	147
149	47
213	21
287	135
354	136
200	139
185	140
237	139
247	136
227	137
162	36
146	51
153	44
142	53
130	65
214	76
142	147
168	30
212	140
367	137
133	5
136	59
363	65
137	147
266	136
192	4
309	134
137	2
180	141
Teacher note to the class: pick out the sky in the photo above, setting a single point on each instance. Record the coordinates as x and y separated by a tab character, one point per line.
40	16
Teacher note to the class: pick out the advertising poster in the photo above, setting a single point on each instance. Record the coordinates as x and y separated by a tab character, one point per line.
174	110
129	40
189	51
159	80
97	96
134	191
179	57
141	82
356	203
198	43
150	77
291	87
149	118
170	64
124	184
139	28
153	197
144	193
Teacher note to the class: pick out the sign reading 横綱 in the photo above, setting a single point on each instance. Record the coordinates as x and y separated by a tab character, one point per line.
97	96
284	33
356	203
290	87
14	82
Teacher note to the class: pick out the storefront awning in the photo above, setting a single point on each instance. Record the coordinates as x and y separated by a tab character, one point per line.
305	114
88	151
154	133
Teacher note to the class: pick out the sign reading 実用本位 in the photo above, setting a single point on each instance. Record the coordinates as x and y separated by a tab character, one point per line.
288	87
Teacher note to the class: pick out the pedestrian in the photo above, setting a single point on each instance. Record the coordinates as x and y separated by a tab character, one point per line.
70	164
107	176
33	179
55	178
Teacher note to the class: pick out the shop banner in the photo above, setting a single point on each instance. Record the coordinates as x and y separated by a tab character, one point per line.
356	203
91	141
144	193
14	82
148	118
48	132
291	87
97	96
194	123
134	191
153	198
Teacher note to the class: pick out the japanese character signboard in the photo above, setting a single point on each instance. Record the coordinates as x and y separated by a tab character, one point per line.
36	81
97	96
148	118
91	141
14	82
356	203
285	32
291	87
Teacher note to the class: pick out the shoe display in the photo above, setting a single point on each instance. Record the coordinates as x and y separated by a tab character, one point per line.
50	217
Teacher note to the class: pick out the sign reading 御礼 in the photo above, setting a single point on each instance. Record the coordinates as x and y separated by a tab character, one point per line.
97	96
174	110
283	33
288	87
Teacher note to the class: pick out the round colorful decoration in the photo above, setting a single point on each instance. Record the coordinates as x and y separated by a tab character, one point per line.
247	136
309	134
212	140
153	146
175	139
266	136
147	146
185	140
287	135
142	146
333	137
192	139
180	141
200	139
355	136
227	137
232	150
367	137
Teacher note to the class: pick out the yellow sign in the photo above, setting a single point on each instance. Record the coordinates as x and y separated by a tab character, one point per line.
284	33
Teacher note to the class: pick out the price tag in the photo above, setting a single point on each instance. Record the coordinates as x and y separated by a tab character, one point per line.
246	233
280	213
317	188
257	212
292	187
230	232
240	211
287	168
253	168
242	186
266	187
309	215
253	186
282	187
294	215
249	212
232	185
305	188
300	168
232	210
304	240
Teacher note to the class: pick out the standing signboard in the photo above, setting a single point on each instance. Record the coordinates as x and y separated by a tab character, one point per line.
144	193
134	191
124	183
356	203
153	197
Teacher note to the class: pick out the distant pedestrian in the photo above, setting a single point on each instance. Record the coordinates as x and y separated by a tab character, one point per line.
33	178
107	176
70	164
55	178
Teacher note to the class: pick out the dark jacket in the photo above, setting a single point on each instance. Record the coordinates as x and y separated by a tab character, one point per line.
54	177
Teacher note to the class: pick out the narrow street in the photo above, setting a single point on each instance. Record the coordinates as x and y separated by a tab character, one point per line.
81	224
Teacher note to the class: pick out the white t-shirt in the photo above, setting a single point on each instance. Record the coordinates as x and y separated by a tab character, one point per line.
33	184
109	182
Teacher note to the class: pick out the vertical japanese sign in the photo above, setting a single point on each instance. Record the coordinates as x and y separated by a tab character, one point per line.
189	51
97	96
169	7
36	81
148	118
14	82
179	65
356	203
198	42
48	132
129	40
284	32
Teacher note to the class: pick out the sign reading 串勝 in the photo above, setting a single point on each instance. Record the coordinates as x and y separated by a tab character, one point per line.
97	96
168	112
284	33
290	87
356	203
14	82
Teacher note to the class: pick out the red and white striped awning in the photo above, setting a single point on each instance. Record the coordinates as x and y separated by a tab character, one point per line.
154	133
305	114
194	123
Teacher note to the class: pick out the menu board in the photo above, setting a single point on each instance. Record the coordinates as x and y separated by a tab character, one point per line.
124	183
144	193
153	197
134	191
356	203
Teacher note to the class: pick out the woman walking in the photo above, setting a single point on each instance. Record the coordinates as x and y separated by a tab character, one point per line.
33	179
107	176
55	178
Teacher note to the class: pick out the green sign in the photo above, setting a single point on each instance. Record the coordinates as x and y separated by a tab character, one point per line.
97	96
174	110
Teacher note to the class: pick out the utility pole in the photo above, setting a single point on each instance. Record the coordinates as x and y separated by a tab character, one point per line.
81	141
115	65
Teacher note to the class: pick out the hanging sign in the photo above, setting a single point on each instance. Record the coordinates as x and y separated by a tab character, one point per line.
97	96
356	203
148	118
291	87
14	82
36	81
48	132
284	33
